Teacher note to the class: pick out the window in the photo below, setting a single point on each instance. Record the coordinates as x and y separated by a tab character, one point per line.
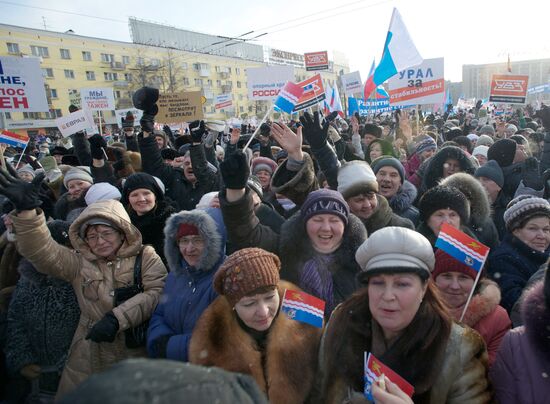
240	97
107	57
54	113
13	47
69	74
237	70
126	60
140	61
185	81
86	56
7	115
238	84
128	76
184	65
241	109
229	70
218	83
155	62
40	51
31	115
117	94
198	82
90	75
47	72
53	93
110	76
250	108
65	53
209	82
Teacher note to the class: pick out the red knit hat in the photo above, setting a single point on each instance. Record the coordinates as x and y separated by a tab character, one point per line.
187	229
445	263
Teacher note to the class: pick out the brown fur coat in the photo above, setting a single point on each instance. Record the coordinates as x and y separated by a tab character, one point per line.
287	375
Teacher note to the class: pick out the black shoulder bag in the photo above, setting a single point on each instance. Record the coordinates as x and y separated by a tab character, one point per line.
136	336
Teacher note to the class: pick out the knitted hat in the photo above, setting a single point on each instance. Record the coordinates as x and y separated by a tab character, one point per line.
282	154
485	140
48	163
512	128
473	137
523	208
371	129
187	229
492	171
425	144
81	173
487	130
503	152
101	191
26	169
141	180
246	271
325	201
384	161
356	177
395	250
263	163
446	263
480	150
444	197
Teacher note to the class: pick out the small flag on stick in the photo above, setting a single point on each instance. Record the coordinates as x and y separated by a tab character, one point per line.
302	307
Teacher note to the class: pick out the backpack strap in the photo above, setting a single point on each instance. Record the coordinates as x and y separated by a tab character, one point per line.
137	268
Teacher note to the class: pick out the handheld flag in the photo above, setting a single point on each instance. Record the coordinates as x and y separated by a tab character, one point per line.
381	93
288	97
399	54
314	92
369	84
462	247
13	139
374	369
302	307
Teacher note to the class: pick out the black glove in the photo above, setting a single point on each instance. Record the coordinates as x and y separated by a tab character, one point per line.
235	170
544	115
315	134
97	143
530	174
23	195
161	344
104	330
197	129
147	122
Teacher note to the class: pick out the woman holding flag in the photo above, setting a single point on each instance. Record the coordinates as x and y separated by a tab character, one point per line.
244	331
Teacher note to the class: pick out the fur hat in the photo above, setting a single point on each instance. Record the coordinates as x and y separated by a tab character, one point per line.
263	163
385	161
482	150
168	154
371	129
395	250
492	171
325	201
78	173
59	150
487	130
444	197
356	177
503	152
523	208
246	271
485	140
100	192
446	263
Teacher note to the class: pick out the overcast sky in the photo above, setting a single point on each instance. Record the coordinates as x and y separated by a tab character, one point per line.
463	32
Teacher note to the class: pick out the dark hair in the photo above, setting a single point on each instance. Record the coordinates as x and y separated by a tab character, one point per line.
524	219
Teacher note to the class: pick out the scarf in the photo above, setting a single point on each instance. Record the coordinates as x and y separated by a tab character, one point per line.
316	279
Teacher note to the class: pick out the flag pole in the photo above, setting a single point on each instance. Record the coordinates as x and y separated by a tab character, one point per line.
20	157
258	128
471	295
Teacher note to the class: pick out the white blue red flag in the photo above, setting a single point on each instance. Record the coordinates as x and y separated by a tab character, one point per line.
399	54
374	369
462	247
302	307
381	93
288	97
13	139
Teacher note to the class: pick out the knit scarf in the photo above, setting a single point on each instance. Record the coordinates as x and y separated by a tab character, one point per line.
316	279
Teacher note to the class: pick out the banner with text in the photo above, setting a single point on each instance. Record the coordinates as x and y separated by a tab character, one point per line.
180	107
96	99
352	83
314	92
316	61
420	85
223	101
75	122
121	113
264	83
367	107
22	85
509	89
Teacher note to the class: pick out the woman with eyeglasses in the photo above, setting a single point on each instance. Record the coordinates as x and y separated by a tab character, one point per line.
105	248
194	247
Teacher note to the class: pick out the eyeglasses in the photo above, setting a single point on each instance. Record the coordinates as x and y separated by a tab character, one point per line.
194	241
106	236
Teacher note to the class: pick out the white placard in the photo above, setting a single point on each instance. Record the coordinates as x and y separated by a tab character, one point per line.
352	83
22	85
74	122
264	83
96	99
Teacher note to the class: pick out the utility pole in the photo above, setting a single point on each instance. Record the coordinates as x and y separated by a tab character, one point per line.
44	22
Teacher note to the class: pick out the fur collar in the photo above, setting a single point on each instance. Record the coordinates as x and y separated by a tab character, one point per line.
286	373
483	303
536	317
381	216
404	197
434	170
480	206
211	228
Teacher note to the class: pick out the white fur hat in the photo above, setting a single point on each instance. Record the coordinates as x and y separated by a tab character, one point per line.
356	177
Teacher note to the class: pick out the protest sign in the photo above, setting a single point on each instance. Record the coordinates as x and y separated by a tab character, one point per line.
121	113
22	85
352	83
223	101
74	122
420	85
365	107
316	61
75	98
509	89
96	99
264	83
179	107
314	92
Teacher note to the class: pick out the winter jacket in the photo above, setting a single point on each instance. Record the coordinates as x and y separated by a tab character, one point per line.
512	178
411	167
66	203
521	369
42	319
383	216
402	202
188	290
178	188
499	207
93	280
511	265
284	368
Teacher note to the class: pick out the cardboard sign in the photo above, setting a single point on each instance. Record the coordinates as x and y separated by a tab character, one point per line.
316	60
97	99
223	101
77	121
75	98
314	92
179	107
420	85
352	83
121	113
509	89
264	83
22	85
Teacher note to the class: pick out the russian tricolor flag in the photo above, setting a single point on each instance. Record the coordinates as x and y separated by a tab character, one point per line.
13	139
399	54
288	97
462	247
302	307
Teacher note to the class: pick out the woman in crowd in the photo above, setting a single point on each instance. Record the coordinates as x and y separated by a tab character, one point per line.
377	148
484	314
244	331
399	318
525	246
194	247
106	246
77	181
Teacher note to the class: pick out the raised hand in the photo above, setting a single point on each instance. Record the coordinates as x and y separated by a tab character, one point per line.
315	132
97	145
288	140
23	195
197	129
235	170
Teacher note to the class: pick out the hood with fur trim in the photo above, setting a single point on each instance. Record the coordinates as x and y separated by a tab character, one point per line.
480	206
434	170
483	302
209	221
404	197
536	317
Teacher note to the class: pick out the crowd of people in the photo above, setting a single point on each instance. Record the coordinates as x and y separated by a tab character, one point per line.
180	247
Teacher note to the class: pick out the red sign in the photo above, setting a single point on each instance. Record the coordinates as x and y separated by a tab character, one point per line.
507	88
314	92
316	60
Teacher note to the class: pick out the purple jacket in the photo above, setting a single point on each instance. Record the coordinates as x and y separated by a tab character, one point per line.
521	372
